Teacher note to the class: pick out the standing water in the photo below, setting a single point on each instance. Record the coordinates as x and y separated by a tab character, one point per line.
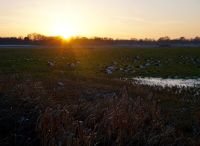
167	82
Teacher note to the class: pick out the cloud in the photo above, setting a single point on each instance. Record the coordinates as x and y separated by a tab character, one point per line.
139	19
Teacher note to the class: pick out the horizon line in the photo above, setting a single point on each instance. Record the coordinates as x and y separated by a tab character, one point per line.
105	37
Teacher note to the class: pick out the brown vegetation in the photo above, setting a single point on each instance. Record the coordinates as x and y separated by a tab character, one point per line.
108	121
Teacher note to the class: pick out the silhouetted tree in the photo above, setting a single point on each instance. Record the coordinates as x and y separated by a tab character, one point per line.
197	38
166	38
36	37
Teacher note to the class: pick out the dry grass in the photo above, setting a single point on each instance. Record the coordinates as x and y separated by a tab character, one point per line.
115	121
89	113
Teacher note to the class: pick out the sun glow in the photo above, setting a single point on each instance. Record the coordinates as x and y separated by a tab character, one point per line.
64	31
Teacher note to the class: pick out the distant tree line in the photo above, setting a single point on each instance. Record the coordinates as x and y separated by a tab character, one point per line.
31	39
38	39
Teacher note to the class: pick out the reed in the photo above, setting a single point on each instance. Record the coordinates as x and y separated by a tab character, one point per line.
106	121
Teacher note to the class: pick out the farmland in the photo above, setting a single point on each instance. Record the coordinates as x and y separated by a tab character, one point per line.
158	62
82	89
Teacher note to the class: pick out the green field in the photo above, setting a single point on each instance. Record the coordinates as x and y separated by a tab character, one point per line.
157	62
68	96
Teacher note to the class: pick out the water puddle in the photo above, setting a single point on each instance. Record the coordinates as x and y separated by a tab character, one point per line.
167	82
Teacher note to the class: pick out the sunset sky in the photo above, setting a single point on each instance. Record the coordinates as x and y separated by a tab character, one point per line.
104	18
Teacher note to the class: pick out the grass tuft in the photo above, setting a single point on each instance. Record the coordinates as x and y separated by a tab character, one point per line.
108	121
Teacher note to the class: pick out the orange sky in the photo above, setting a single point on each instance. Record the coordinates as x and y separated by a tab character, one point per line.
104	18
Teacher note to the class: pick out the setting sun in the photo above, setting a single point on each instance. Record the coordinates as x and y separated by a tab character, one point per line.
99	72
65	31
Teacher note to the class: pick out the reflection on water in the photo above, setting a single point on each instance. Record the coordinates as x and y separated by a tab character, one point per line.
167	82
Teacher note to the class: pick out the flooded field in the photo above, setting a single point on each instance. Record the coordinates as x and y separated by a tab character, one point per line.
81	89
167	82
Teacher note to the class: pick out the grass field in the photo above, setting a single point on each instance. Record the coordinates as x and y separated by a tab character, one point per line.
160	62
74	97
